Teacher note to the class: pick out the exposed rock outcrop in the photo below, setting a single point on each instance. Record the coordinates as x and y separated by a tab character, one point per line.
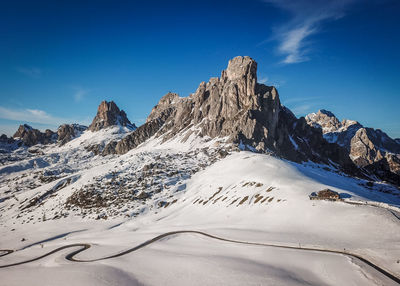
325	120
241	110
5	139
67	132
30	136
108	114
369	148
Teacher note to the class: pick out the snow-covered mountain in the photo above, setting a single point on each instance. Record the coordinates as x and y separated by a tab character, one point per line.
108	114
229	163
369	148
240	110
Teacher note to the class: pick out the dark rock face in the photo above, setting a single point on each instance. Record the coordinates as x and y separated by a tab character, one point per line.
30	136
325	120
333	130
5	139
369	148
236	107
137	137
108	114
67	132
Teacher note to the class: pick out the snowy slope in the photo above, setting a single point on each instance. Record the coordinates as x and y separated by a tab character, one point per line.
117	202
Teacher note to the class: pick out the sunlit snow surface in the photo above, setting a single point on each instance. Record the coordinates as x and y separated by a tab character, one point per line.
244	196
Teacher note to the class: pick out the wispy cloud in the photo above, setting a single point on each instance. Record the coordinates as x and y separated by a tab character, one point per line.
32	116
302	99
80	93
306	19
272	82
301	106
263	80
32	72
139	121
302	109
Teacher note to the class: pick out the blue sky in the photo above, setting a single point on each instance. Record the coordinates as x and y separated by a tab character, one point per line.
59	59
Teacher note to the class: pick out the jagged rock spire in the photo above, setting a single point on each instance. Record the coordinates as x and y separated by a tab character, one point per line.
239	109
108	114
30	136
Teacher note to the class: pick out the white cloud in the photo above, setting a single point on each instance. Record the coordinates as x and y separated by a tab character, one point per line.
80	93
32	116
301	106
302	109
302	99
271	82
139	121
8	129
38	113
263	80
32	72
306	19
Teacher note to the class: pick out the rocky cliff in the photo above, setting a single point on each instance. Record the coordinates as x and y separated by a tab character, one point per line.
369	148
5	139
67	132
30	136
108	114
242	111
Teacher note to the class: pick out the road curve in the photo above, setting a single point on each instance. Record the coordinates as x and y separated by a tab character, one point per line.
6	252
396	214
83	246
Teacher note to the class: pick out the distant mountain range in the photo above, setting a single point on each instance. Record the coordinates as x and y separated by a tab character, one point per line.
246	114
371	149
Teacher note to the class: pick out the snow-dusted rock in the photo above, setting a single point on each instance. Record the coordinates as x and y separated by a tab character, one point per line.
369	148
242	111
108	114
67	132
30	136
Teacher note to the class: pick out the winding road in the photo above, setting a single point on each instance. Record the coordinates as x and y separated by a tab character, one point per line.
83	246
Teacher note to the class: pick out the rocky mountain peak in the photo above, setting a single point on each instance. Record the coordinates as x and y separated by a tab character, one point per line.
233	106
241	67
326	112
30	136
67	132
168	100
369	148
325	120
108	114
22	129
241	111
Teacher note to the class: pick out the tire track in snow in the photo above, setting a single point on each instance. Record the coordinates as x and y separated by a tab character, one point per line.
83	246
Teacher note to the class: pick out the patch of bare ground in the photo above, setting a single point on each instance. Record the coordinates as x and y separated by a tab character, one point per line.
270	189
39	199
234	201
243	200
216	200
258	198
167	204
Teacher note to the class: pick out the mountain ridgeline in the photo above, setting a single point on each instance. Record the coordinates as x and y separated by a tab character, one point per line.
108	114
370	149
246	114
241	110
